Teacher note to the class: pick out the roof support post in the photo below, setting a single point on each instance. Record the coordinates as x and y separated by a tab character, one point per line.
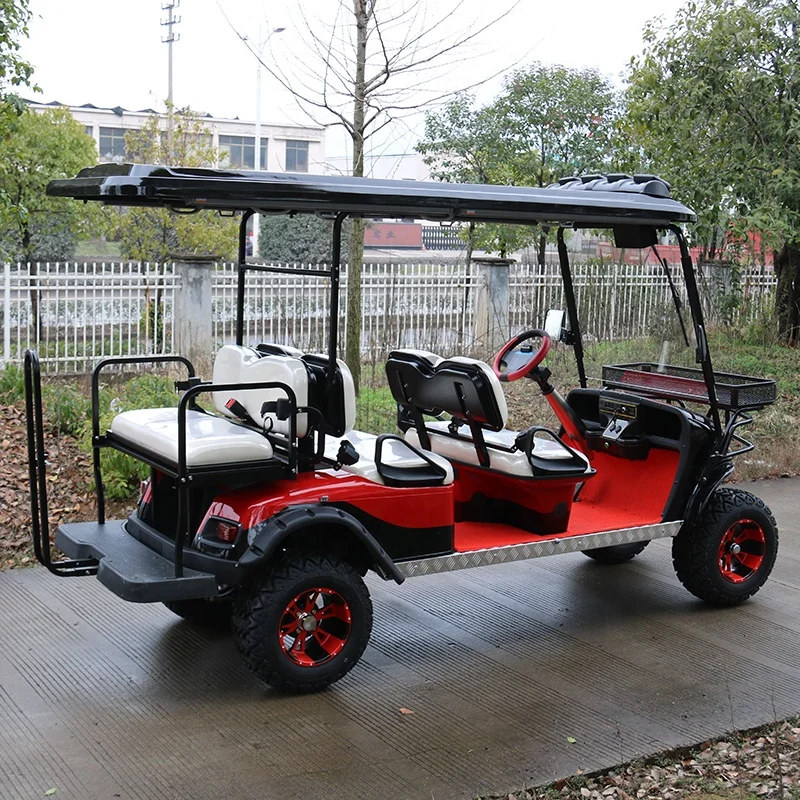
241	273
572	308
703	356
336	263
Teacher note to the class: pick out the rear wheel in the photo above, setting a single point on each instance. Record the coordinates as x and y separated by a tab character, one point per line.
616	553
728	555
304	622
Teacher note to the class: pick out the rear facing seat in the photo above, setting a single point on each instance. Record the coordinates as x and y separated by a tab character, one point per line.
210	439
424	384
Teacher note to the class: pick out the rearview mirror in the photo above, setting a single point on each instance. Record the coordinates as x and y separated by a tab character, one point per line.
554	323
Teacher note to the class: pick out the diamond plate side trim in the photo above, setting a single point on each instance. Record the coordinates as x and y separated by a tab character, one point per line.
522	552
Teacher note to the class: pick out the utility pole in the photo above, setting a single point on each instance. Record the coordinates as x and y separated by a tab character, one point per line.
171	37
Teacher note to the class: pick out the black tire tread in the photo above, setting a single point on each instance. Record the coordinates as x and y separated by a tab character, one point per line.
694	549
248	635
616	553
205	613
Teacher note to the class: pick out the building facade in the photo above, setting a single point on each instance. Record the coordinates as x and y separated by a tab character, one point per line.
284	148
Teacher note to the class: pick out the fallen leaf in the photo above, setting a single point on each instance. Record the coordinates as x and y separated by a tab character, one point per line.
49	792
571	739
406	711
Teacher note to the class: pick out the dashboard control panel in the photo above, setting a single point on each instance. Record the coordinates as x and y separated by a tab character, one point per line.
622	416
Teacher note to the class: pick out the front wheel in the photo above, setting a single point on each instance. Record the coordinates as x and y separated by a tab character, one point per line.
304	622
729	553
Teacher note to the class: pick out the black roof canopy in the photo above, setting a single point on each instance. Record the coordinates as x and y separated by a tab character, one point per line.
588	201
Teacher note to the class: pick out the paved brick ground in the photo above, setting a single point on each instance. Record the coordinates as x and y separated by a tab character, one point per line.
101	699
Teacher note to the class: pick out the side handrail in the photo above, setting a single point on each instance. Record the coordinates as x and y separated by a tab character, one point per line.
101	365
381	467
37	477
526	442
184	477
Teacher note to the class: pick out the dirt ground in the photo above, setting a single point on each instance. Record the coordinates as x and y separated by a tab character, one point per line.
70	492
763	763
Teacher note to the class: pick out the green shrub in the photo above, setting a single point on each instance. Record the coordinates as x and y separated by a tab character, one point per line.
12	385
376	410
66	409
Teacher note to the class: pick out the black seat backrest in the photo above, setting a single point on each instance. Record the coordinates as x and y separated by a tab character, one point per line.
459	387
333	397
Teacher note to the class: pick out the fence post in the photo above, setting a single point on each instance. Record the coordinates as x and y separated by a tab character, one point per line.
6	313
192	322
491	302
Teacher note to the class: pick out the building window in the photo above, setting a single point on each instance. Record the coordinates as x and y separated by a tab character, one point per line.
239	151
296	156
263	156
89	130
112	144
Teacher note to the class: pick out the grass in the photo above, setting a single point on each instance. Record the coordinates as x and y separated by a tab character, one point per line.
97	248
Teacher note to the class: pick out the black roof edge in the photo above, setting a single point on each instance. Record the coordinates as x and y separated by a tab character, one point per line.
586	201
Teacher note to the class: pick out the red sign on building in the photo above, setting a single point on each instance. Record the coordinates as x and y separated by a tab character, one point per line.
393	235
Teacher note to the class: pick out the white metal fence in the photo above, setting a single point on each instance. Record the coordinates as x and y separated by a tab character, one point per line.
76	313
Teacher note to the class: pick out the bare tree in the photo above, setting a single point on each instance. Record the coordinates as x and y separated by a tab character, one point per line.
371	63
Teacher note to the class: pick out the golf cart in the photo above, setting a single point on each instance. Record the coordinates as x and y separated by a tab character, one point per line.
266	509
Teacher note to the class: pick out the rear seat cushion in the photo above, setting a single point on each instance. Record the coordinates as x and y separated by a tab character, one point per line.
209	439
461	448
235	364
394	454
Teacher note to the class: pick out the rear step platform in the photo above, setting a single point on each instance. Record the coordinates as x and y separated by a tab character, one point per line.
129	568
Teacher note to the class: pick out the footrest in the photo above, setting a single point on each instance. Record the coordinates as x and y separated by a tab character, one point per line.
129	568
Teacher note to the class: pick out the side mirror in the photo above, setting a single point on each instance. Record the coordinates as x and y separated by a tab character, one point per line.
554	323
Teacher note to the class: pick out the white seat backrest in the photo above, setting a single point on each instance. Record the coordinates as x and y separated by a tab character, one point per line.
235	364
424	355
493	380
349	396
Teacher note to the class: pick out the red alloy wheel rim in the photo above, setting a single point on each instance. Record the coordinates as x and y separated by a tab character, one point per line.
742	550
314	627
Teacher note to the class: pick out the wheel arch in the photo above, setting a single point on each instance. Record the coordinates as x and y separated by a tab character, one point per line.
304	524
710	480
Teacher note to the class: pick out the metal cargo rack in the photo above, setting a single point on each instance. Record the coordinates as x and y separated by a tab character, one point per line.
734	392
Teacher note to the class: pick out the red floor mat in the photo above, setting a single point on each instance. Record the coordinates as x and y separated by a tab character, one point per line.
623	494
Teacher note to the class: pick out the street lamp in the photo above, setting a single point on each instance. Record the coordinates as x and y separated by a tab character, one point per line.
257	155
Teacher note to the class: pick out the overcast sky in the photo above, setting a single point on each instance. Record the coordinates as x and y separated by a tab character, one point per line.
109	52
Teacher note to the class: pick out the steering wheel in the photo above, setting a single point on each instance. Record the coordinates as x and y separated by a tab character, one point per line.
527	365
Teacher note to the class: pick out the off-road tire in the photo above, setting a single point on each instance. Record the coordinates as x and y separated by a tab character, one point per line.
616	553
695	550
260	606
213	613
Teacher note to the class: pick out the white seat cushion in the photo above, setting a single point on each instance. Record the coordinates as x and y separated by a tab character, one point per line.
394	454
209	439
463	449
